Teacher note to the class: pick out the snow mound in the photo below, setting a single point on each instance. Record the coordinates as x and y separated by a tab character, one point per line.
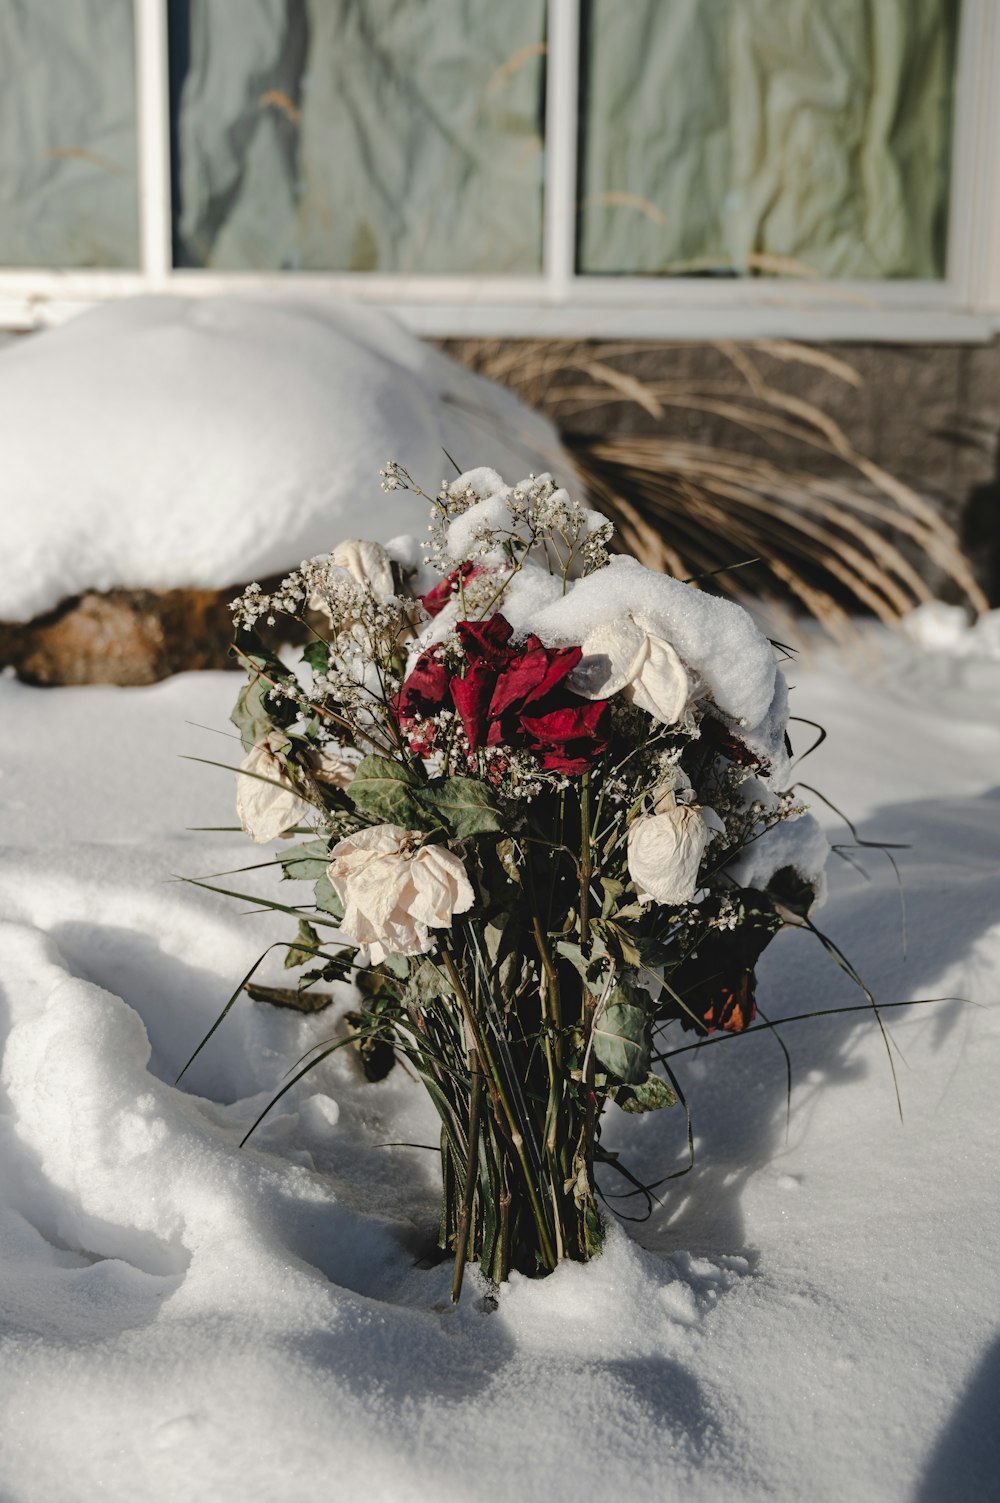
161	442
947	629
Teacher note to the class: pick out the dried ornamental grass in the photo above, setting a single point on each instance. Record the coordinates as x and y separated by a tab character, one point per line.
824	544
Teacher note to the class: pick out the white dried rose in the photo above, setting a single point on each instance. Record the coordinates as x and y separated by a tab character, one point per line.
366	563
625	656
665	851
395	891
266	800
333	767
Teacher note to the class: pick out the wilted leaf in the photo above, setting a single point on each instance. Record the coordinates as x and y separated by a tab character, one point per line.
295	954
621	1039
612	892
305	863
425	984
465	805
386	790
291	997
792	891
648	1096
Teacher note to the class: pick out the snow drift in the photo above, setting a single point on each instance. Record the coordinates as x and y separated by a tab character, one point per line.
809	1313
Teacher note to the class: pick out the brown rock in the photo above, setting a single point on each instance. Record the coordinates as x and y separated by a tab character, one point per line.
123	637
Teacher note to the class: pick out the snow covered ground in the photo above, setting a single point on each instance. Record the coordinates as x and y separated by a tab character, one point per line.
811	1313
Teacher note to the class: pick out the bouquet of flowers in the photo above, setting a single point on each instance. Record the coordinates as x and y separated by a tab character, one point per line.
543	793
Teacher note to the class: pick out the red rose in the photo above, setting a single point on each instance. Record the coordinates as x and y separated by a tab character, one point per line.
568	739
514	697
435	600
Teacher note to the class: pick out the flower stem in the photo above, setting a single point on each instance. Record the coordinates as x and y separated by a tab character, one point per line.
586	867
469	1188
545	1241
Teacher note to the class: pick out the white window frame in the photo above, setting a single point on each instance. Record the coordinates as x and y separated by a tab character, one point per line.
964	307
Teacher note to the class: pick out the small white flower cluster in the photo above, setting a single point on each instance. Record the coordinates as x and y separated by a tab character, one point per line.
445	752
254	605
394	478
595	552
479	518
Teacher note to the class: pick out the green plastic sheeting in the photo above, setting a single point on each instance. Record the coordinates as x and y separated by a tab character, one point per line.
779	136
68	176
393	136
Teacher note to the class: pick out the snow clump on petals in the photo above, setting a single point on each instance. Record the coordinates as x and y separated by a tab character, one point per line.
266	800
627	657
716	638
665	852
394	892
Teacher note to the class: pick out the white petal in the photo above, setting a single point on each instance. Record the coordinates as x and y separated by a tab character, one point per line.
450	872
611	655
661	686
367	563
267	809
334	768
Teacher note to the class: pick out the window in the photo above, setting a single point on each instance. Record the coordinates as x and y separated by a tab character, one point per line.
382	137
736	137
617	168
68	158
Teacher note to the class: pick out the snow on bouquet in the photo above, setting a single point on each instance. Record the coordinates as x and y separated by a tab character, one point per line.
544	793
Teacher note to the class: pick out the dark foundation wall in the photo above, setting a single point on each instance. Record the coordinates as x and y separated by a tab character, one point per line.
927	414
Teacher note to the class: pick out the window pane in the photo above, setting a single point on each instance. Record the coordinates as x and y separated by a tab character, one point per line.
68	177
393	135
776	136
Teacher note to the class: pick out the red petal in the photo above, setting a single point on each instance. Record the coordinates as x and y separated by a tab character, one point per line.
471	696
571	738
561	662
436	599
486	640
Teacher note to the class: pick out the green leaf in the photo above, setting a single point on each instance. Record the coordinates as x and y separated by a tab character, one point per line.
254	714
305	863
465	805
387	790
295	955
592	970
251	714
326	899
621	1039
612	892
317	655
649	1096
